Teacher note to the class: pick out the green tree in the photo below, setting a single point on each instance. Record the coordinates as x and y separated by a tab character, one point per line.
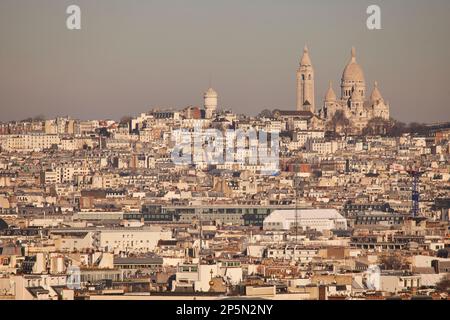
339	120
266	113
444	284
391	262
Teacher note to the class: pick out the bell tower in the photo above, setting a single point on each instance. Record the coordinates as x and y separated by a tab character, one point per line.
305	83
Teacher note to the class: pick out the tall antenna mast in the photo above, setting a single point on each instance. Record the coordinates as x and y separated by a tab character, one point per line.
415	174
296	214
201	229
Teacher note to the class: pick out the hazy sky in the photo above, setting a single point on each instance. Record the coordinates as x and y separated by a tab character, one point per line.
132	55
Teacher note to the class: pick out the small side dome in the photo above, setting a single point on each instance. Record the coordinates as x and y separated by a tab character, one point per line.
331	95
376	95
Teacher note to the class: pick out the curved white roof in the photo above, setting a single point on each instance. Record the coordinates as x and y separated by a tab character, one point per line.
304	214
353	71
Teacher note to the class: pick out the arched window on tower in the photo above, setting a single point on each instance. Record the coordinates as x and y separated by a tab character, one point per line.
303	77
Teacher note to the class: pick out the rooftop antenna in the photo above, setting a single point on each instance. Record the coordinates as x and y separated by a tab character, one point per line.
415	173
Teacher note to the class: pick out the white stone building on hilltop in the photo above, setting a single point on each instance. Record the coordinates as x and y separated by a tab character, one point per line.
318	219
353	102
